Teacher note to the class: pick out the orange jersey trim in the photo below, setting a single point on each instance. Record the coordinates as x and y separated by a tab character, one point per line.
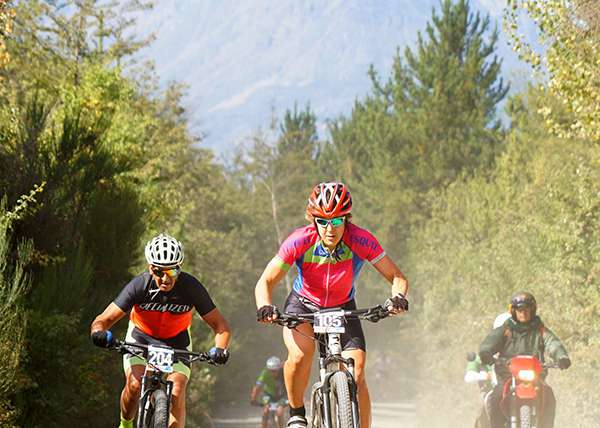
158	324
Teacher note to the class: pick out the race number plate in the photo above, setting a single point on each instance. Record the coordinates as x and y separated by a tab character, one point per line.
329	322
161	358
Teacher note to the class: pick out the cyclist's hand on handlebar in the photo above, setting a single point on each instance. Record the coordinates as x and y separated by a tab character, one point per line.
396	304
267	313
218	355
103	338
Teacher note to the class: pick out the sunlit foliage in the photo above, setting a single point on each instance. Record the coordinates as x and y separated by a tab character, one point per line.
570	33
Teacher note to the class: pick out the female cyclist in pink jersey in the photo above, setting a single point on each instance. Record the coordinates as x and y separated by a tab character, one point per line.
328	254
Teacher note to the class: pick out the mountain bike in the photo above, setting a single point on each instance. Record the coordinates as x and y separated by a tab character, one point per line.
155	395
334	402
271	416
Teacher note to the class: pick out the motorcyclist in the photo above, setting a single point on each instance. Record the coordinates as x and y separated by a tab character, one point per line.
270	388
522	334
483	375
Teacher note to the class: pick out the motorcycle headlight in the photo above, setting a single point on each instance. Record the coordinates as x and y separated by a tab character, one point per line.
526	375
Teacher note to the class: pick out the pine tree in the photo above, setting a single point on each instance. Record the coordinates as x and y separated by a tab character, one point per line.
447	91
433	120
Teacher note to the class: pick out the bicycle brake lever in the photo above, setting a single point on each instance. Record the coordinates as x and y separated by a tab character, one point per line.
377	313
292	323
372	316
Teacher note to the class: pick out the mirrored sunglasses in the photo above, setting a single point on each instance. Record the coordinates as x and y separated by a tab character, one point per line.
171	272
335	222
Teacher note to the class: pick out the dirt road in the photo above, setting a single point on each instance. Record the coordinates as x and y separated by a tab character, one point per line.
385	415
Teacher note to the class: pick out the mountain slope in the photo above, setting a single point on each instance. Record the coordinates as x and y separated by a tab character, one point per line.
244	60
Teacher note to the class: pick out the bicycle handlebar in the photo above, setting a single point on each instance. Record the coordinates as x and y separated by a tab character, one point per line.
373	314
124	348
506	362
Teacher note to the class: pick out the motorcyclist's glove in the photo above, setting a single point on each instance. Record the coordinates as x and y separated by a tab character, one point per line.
218	355
265	312
564	363
103	338
397	302
486	358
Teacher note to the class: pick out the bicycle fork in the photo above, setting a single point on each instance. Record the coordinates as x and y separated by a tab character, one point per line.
326	371
151	384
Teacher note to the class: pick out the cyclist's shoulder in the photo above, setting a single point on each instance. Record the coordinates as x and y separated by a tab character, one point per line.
263	375
188	278
301	237
352	228
308	230
356	236
134	291
189	282
140	281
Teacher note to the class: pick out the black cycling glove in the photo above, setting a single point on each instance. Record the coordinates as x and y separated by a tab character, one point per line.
397	302
564	363
103	338
218	355
265	312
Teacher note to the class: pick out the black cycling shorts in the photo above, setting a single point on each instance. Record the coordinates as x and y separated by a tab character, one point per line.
353	338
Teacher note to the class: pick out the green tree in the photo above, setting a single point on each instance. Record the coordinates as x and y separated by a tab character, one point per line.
54	41
433	120
282	173
14	284
108	147
534	226
6	17
570	33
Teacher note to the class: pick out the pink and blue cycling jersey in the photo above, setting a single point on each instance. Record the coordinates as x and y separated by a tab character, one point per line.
326	280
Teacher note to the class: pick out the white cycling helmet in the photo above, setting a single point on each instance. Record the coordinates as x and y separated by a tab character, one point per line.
164	251
501	319
274	363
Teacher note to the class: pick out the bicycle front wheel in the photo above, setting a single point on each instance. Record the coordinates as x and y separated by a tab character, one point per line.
341	407
161	417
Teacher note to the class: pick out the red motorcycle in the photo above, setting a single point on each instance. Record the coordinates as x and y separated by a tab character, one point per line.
523	394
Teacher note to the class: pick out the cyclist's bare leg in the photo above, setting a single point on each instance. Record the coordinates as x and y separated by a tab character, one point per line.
296	369
130	396
364	400
279	416
265	417
177	418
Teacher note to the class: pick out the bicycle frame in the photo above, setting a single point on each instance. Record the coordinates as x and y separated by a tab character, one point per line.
331	360
154	378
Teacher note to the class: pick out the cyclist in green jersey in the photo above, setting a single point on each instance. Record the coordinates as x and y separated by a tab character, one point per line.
270	389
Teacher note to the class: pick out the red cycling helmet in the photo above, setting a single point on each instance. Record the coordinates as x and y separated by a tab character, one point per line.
329	200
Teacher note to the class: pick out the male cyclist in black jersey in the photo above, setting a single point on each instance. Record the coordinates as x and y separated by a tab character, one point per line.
161	302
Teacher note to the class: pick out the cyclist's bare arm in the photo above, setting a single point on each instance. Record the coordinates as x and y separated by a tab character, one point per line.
220	326
393	274
107	319
271	276
256	390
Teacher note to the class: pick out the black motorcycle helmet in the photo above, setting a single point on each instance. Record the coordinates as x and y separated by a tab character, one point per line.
520	300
